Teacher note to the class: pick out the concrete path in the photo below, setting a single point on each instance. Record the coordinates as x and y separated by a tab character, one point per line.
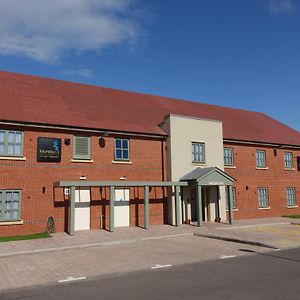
274	232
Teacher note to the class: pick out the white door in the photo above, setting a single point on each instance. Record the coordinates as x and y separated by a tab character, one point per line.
82	209
122	207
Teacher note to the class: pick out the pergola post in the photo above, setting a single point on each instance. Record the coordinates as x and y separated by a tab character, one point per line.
72	212
177	205
146	207
230	204
112	209
199	206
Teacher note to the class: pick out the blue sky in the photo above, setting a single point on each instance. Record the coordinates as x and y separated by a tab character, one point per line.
243	54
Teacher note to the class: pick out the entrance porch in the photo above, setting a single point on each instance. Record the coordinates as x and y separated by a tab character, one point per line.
204	197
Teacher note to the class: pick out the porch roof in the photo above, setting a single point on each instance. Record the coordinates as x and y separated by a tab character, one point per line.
208	176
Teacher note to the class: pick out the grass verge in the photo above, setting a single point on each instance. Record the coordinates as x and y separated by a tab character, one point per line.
292	216
25	237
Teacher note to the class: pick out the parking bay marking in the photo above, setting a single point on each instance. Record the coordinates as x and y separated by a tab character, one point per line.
158	266
70	278
227	256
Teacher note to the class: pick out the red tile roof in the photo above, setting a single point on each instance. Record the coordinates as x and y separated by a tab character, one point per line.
33	99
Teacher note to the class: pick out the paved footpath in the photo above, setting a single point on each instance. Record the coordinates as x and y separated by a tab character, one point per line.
94	253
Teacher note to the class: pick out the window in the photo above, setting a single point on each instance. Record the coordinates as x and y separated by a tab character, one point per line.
198	152
228	156
263	199
82	147
233	198
10	203
291	196
288	160
11	143
121	149
261	158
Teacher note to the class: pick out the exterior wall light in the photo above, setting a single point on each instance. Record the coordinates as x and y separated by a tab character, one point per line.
102	142
67	142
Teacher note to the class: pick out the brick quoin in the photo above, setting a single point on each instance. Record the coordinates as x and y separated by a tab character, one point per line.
40	199
276	178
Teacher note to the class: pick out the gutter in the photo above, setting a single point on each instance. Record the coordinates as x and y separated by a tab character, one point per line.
101	132
277	145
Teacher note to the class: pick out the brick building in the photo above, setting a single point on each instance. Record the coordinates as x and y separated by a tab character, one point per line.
185	155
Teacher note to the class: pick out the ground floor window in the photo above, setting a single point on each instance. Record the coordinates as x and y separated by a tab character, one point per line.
233	198
291	196
263	198
10	203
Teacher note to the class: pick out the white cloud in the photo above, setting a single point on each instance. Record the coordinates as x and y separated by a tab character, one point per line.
281	7
84	72
46	30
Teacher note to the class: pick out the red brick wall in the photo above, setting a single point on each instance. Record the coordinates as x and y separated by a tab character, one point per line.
147	156
275	178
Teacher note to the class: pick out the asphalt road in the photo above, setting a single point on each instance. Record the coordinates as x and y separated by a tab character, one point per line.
272	275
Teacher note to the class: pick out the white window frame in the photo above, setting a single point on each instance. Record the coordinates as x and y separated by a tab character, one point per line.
228	156
122	149
6	142
263	197
291	196
198	155
261	158
3	207
288	160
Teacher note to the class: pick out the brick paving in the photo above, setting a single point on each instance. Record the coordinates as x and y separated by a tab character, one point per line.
94	253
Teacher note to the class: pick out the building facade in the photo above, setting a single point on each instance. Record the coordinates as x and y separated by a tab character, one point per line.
53	131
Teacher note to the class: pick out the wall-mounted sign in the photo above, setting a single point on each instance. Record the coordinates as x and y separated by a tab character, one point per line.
216	183
48	149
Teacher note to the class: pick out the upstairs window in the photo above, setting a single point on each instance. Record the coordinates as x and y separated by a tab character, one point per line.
291	196
10	203
261	159
82	147
228	157
288	160
263	198
11	143
121	149
198	152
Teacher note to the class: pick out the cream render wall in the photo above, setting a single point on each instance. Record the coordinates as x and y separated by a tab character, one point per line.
182	132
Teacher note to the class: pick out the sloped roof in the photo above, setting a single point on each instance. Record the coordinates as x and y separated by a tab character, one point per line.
32	99
199	173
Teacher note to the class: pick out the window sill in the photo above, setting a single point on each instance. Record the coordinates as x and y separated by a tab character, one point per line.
82	160
262	168
292	206
230	167
264	208
124	162
198	164
7	223
235	209
290	169
12	158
